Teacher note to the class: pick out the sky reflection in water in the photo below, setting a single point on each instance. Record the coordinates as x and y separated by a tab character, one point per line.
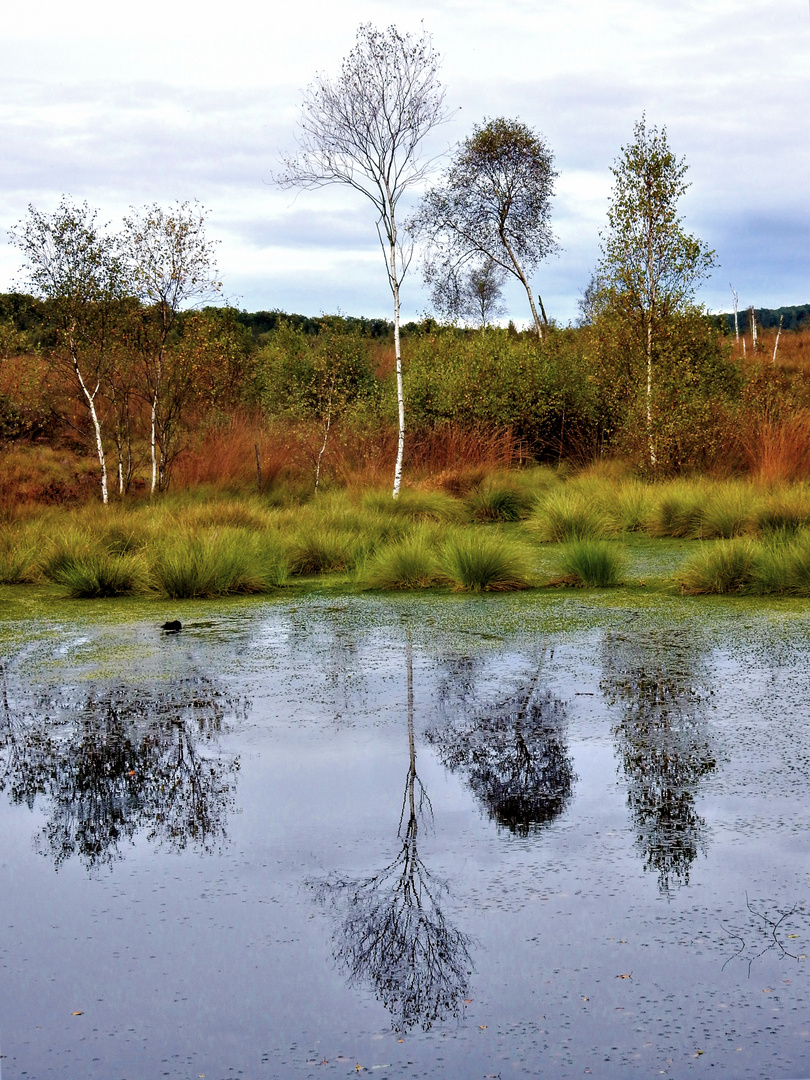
407	836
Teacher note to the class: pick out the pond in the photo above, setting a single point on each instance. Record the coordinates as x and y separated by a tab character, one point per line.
416	837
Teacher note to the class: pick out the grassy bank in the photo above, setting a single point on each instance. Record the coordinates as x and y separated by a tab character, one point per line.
510	529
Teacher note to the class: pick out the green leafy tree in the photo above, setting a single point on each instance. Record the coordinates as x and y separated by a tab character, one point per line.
493	205
73	262
650	266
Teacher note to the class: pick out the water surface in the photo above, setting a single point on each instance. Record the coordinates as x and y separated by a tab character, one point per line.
499	836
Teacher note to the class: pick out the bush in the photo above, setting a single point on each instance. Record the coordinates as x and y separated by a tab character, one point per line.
418	506
592	563
474	562
317	551
678	513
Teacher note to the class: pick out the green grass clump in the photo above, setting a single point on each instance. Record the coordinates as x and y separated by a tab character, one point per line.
313	550
596	564
626	507
19	556
476	562
785	513
566	515
405	564
99	575
418	506
498	504
221	564
678	512
727	566
727	513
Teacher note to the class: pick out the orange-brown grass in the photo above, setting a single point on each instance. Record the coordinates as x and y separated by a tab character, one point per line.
36	475
777	451
226	456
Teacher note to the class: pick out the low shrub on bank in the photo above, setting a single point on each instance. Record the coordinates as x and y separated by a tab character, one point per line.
728	566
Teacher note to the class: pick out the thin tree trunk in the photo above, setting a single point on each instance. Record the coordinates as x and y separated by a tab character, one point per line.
650	441
400	390
91	405
323	448
776	343
153	444
259	468
542	309
519	269
736	320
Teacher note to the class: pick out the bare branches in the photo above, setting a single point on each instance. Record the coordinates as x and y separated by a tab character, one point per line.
365	129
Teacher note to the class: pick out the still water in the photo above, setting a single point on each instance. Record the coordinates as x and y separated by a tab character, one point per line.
414	837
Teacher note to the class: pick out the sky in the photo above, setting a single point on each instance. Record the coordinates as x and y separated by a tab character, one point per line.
125	106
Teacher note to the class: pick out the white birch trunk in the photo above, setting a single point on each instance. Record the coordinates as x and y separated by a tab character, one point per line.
400	389
776	343
91	405
153	443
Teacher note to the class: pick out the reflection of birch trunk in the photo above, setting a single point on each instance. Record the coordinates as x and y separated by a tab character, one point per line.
391	931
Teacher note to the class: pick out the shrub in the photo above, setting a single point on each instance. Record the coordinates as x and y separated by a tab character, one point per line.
728	566
484	563
592	563
313	550
567	515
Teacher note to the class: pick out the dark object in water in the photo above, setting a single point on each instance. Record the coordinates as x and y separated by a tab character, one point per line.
173	627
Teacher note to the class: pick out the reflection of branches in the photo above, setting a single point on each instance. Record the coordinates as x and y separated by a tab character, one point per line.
513	756
771	934
391	929
665	750
117	762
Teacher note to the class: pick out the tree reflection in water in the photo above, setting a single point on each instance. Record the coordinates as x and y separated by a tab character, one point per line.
116	760
664	744
513	755
391	931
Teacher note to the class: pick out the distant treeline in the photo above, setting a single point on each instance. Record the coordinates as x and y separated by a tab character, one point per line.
796	317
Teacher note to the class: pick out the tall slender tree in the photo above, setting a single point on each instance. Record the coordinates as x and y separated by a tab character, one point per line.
365	128
650	266
72	262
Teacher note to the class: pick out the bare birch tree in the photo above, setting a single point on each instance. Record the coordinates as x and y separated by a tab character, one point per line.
649	264
493	205
72	262
365	128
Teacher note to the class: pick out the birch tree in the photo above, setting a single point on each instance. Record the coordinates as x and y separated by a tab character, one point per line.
365	128
72	262
493	205
650	266
171	263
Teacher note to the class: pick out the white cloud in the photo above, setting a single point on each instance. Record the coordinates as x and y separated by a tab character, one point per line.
169	104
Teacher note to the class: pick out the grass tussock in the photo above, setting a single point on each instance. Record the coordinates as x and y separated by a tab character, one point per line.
480	562
726	567
568	515
220	564
418	506
410	563
498	504
595	564
100	575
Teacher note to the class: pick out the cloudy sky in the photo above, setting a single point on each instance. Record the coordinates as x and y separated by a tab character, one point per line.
125	105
